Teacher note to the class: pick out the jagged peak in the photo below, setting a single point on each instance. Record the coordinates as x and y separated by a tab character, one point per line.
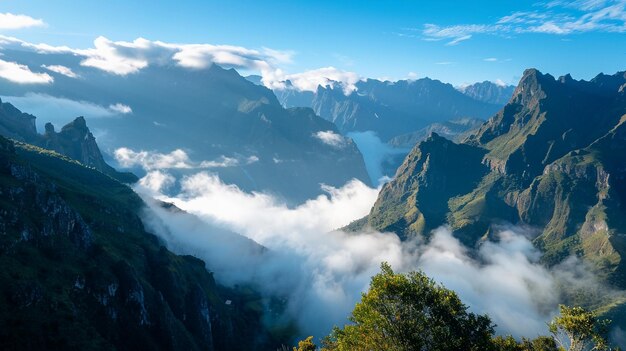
435	137
78	123
531	84
566	78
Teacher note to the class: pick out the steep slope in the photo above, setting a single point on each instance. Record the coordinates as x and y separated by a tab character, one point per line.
546	118
211	114
580	201
552	158
489	92
80	272
416	201
389	108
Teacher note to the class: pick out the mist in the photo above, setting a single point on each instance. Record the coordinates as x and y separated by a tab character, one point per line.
60	111
375	154
301	254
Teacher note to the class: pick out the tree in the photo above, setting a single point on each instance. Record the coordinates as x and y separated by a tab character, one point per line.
577	329
306	345
508	343
411	312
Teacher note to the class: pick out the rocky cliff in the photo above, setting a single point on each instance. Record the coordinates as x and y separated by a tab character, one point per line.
80	272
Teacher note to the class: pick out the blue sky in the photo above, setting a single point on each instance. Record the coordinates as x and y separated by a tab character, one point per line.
454	41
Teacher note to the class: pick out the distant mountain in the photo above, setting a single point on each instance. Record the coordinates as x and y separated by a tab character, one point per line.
454	130
79	271
74	140
489	92
212	114
552	158
389	108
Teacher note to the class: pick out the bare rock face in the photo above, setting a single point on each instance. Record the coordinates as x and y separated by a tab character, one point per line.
76	141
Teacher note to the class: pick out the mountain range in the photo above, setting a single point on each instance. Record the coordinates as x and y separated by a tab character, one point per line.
221	121
391	108
552	159
489	92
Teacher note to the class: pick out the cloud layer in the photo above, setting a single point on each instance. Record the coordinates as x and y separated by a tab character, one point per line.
129	57
322	271
177	159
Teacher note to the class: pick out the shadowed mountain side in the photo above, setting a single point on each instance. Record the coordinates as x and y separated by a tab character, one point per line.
80	271
209	113
74	140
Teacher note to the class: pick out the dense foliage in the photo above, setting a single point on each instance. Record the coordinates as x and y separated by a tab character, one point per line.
407	312
411	312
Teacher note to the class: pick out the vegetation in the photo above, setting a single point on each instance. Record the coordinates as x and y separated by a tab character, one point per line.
405	312
577	329
79	271
411	312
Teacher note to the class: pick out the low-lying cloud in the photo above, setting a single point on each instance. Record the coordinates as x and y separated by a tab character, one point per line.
300	254
121	108
60	111
376	154
331	138
177	159
312	79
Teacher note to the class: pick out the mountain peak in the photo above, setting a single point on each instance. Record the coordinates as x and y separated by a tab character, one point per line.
78	123
532	87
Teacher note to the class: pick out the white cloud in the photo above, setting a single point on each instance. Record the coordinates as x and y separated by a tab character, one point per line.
310	80
331	138
555	17
124	57
157	181
21	74
121	57
444	63
455	34
66	71
500	82
221	162
120	108
45	106
177	159
12	21
457	40
152	160
491	59
323	271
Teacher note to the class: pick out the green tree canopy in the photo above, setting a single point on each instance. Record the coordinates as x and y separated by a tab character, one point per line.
411	312
577	329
